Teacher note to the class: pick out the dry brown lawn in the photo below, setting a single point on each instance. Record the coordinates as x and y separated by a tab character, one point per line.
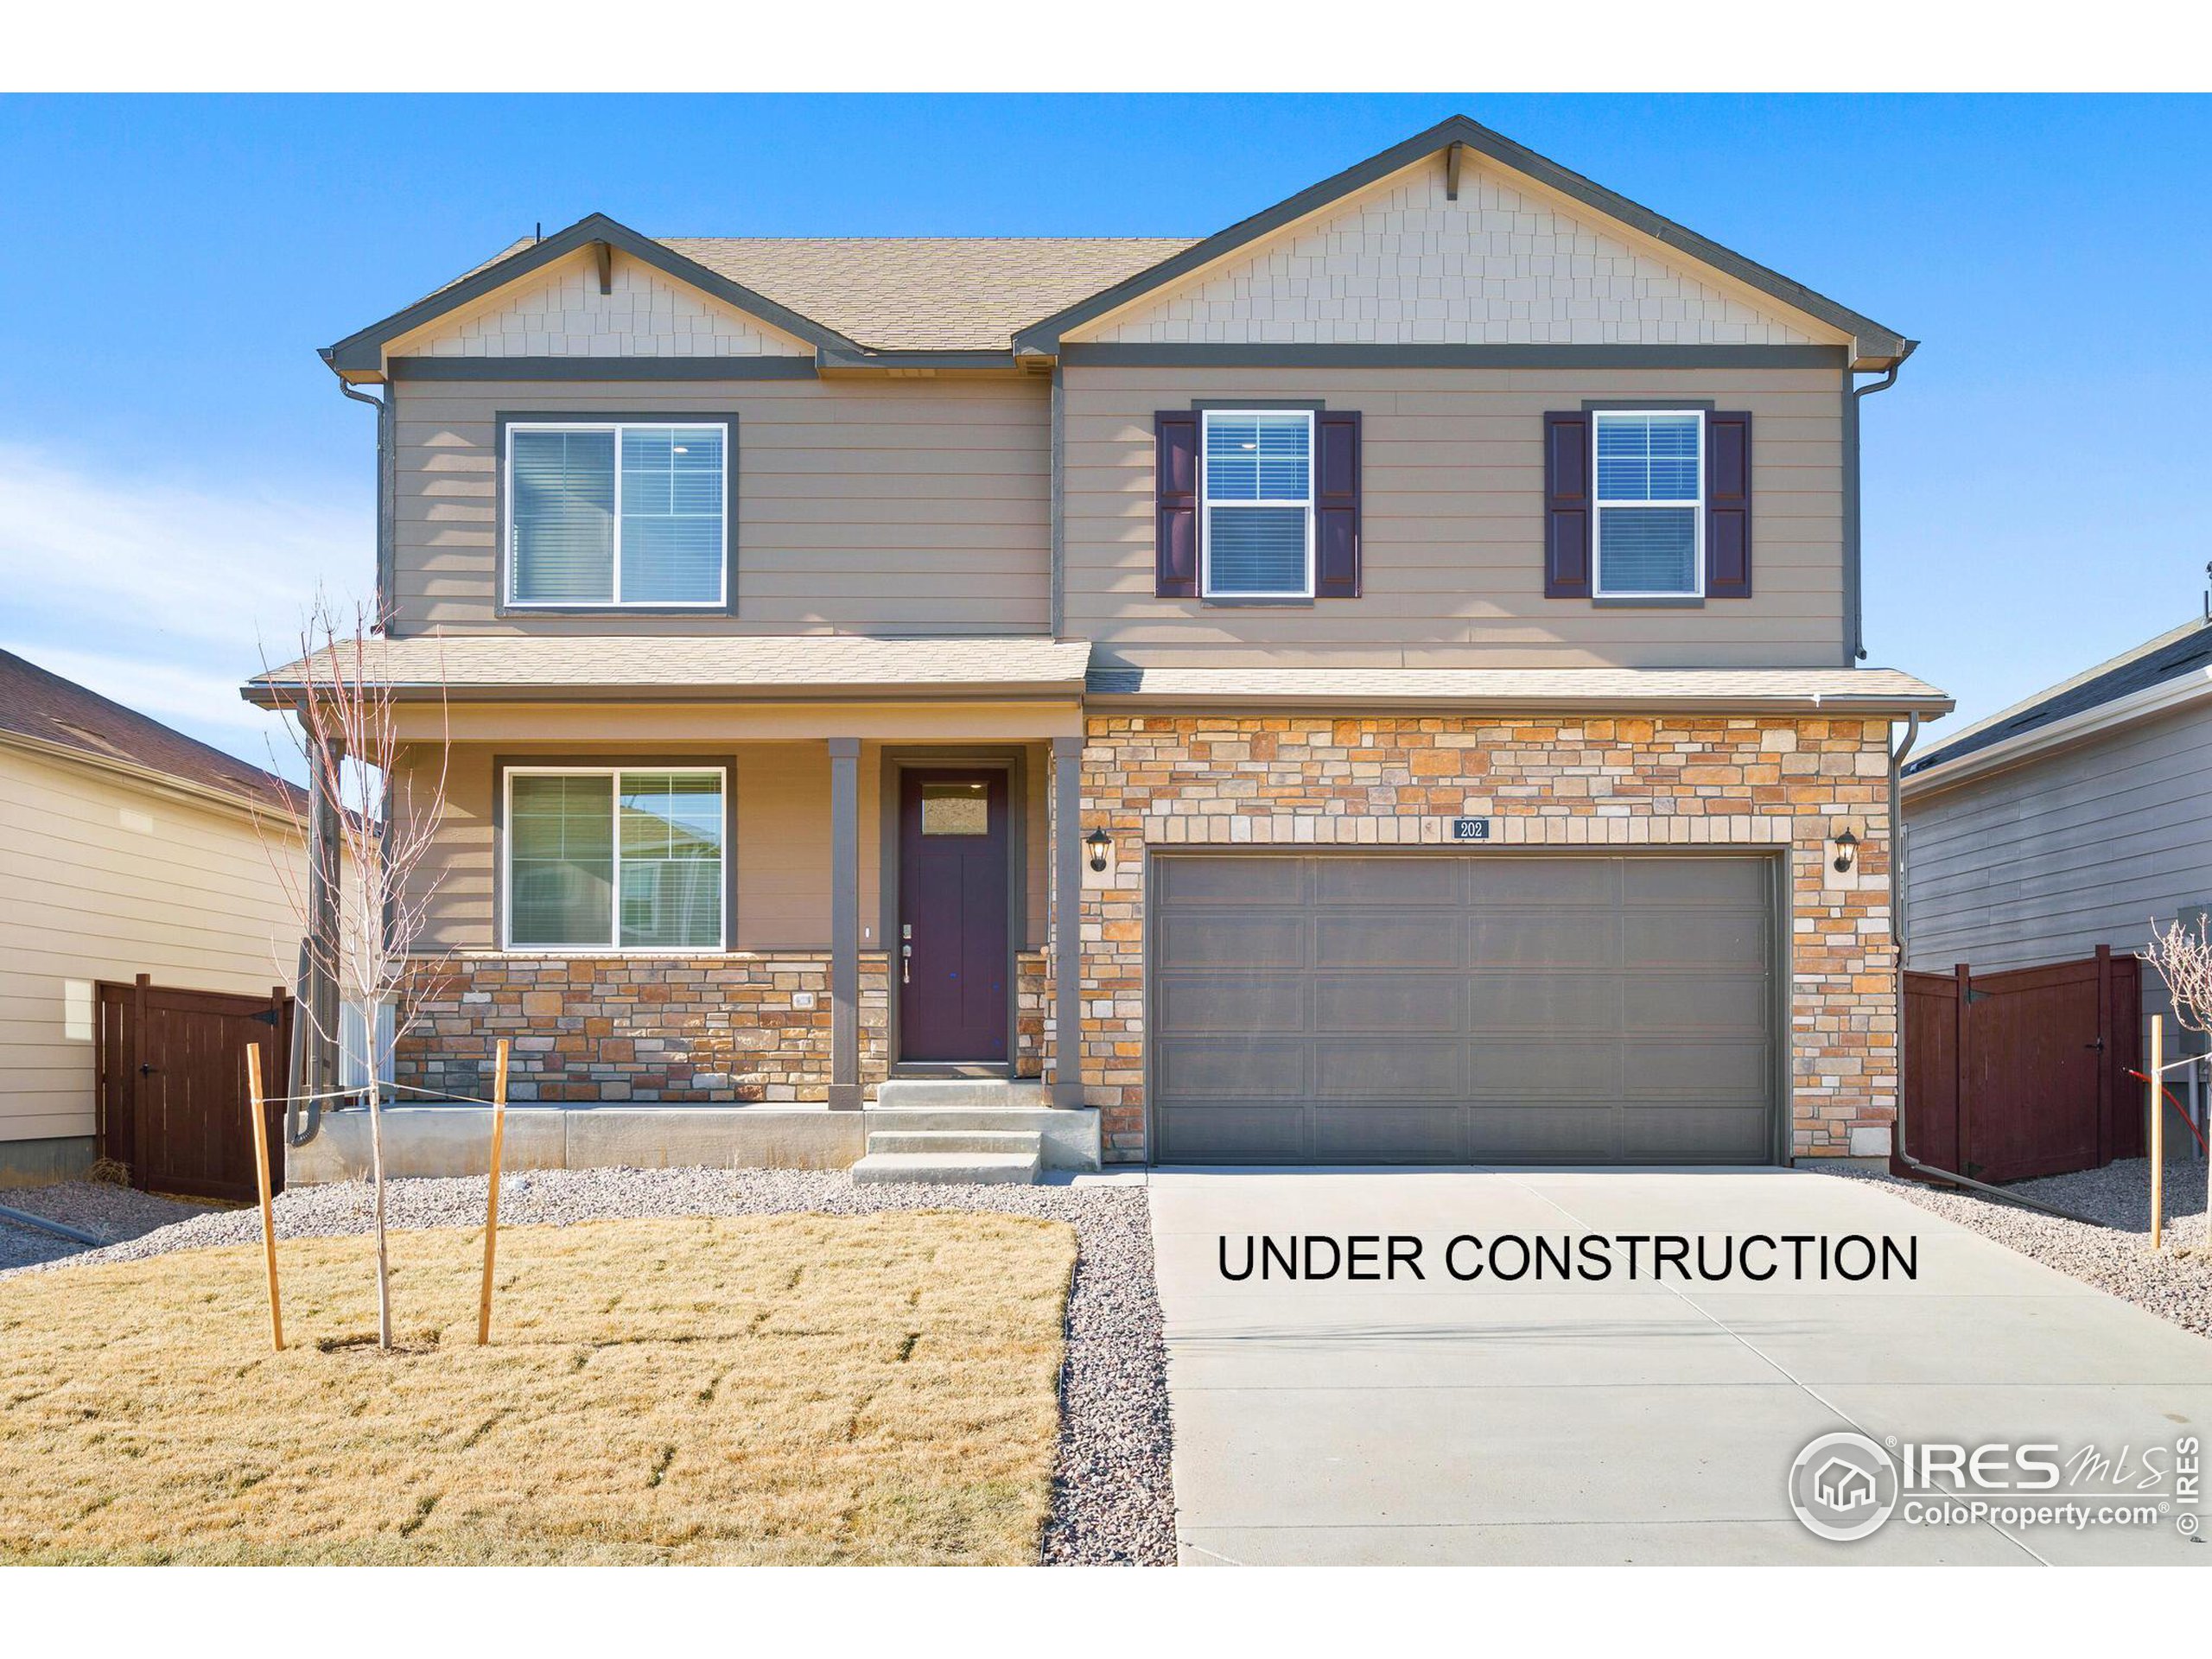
776	1388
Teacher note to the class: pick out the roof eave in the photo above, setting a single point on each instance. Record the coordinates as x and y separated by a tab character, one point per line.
1938	774
360	356
1873	346
286	693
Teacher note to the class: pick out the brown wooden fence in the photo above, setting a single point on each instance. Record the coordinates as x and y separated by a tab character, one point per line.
172	1086
2014	1075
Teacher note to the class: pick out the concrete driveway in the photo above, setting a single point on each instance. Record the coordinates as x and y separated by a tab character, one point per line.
1432	1421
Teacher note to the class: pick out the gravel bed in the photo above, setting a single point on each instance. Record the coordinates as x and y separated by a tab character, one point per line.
113	1212
1113	1502
2175	1284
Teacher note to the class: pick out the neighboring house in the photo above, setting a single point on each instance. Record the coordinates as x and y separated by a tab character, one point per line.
1377	683
125	849
2074	819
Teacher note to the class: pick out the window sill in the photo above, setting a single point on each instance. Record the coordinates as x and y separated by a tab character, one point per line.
1258	601
717	609
1656	602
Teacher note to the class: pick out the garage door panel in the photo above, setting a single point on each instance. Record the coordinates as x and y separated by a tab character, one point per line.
1388	881
1709	1004
1711	1135
1732	883
1388	1002
1591	939
1547	1134
1393	1134
1401	1070
1217	1133
1505	1004
1692	939
1707	1071
1388	940
1351	1006
1545	883
1209	1004
1231	881
1538	1069
1231	939
1258	1069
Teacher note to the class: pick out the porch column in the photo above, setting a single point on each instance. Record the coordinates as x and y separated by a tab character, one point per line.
320	990
844	924
1067	921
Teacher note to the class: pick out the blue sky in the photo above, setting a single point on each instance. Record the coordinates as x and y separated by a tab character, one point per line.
177	469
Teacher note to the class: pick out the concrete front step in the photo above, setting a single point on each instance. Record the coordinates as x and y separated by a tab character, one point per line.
1021	1142
947	1168
959	1094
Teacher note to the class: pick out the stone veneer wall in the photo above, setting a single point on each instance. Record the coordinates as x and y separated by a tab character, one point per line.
712	1029
1398	780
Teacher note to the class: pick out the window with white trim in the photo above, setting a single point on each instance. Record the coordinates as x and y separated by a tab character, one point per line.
1650	503
1256	512
614	859
620	513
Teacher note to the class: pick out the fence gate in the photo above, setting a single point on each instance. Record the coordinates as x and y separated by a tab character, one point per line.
172	1089
2015	1075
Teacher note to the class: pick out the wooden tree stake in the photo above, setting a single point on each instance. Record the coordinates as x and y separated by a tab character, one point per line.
492	1201
2158	1127
261	1175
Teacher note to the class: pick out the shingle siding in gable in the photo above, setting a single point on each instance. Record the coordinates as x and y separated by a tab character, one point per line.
1502	265
562	314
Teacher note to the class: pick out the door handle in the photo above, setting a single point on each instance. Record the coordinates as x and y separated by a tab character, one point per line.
906	964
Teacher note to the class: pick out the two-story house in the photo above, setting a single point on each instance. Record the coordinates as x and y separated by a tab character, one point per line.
1378	684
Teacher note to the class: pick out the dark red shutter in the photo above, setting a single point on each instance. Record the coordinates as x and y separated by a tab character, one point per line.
1175	554
1566	505
1336	505
1728	506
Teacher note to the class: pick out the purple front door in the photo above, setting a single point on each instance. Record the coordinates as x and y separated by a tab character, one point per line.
953	948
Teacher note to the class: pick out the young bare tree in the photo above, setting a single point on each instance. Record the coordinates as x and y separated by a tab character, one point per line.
2183	959
389	797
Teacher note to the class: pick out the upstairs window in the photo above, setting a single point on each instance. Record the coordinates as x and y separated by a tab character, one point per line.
1650	504
1256	518
623	513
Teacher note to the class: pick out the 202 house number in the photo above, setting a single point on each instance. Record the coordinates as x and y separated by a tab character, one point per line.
1471	828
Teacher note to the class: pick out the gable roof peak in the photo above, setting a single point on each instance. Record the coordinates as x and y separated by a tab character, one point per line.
1874	346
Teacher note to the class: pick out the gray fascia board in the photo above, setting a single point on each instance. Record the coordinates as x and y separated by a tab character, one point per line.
1425	356
599	368
266	694
1320	703
1873	343
860	358
364	351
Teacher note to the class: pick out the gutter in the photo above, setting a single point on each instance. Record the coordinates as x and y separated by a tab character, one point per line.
285	694
1901	1150
1853	538
387	494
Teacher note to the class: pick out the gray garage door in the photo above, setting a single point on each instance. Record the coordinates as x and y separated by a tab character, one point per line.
1349	1007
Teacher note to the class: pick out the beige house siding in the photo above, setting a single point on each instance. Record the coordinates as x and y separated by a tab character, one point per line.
890	507
103	878
780	864
1508	262
560	312
1452	524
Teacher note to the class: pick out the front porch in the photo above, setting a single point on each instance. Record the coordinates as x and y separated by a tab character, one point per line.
707	913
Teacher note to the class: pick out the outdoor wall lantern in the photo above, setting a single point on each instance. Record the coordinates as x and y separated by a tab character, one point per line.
1101	846
1846	849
